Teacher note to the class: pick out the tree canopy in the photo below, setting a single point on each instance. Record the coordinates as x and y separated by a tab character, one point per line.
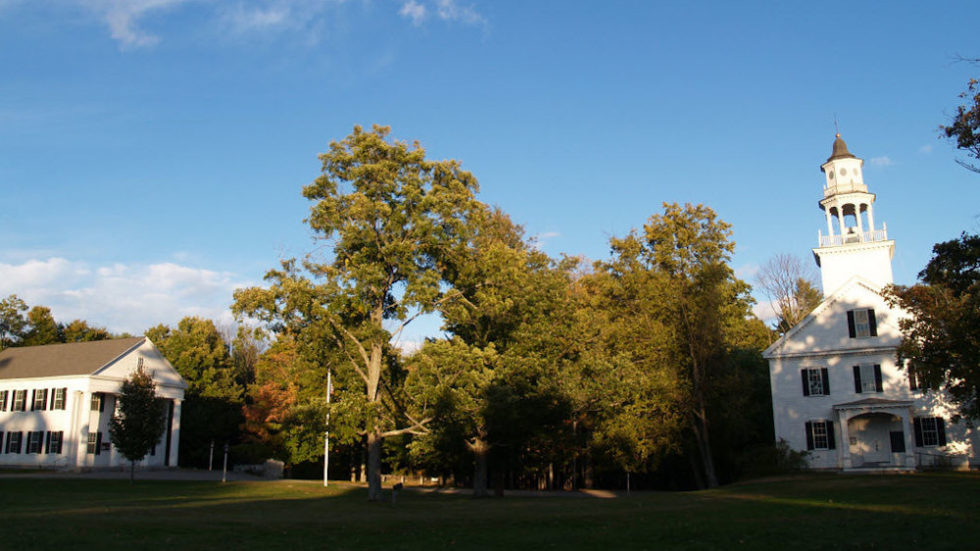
964	129
139	422
941	344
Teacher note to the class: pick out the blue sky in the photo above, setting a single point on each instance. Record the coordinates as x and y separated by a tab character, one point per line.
152	152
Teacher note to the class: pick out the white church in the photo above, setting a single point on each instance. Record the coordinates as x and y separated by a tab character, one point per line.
837	391
56	402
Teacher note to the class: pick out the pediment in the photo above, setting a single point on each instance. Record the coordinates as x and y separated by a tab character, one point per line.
825	330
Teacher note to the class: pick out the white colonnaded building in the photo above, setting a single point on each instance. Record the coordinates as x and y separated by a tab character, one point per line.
837	390
56	401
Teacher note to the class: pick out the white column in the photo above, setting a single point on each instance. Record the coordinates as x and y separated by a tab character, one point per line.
840	219
830	225
909	430
80	426
175	434
845	441
871	218
857	215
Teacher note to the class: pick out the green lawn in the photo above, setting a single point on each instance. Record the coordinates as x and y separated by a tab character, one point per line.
929	511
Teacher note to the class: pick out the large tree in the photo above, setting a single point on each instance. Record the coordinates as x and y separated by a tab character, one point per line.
387	215
43	328
12	321
941	344
965	126
139	422
676	273
212	408
789	285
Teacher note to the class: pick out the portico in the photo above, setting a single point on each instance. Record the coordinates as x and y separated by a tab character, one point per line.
875	434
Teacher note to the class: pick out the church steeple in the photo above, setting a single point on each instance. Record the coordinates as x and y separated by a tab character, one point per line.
855	246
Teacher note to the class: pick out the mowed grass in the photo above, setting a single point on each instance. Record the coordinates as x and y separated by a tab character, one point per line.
927	511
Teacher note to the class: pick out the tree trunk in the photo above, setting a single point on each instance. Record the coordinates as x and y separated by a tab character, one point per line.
480	452
374	465
704	445
132	471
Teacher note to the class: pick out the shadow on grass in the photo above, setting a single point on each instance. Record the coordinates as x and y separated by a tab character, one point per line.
860	512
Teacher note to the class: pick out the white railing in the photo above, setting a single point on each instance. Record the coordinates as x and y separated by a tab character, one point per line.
844	188
852	236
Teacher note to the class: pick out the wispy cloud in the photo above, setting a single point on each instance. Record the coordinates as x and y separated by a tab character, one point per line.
926	149
123	297
445	10
123	18
414	11
884	160
127	19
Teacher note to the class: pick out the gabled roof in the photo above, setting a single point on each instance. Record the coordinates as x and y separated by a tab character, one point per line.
827	302
59	360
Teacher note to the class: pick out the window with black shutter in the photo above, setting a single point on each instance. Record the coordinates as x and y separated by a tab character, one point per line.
867	378
861	323
820	435
929	432
816	382
3	400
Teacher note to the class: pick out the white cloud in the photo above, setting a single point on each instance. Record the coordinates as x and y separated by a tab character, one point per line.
884	160
747	271
414	11
122	297
926	149
126	18
446	10
765	310
123	18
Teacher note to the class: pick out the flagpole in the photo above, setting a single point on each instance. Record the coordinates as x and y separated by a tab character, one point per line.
326	440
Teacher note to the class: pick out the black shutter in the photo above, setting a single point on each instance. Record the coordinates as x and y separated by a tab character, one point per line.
64	398
850	324
20	441
826	381
872	323
806	383
917	425
7	447
913	383
33	397
877	378
809	435
941	430
831	444
857	379
47	443
61	440
101	403
1	441
45	406
98	443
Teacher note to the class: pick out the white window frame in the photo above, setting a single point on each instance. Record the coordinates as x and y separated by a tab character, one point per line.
40	400
59	398
862	323
92	443
820	432
35	442
815	377
20	400
57	438
930	432
3	399
869	384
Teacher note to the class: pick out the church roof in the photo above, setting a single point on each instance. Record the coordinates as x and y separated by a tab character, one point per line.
58	360
840	150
